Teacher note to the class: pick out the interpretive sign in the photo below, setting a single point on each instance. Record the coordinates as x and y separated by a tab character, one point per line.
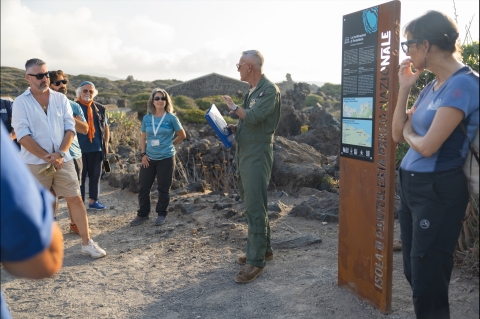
370	43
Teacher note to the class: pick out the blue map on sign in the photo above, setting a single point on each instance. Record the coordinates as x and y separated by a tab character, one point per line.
370	19
357	132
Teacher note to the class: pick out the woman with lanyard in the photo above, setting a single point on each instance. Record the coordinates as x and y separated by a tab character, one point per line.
434	191
161	131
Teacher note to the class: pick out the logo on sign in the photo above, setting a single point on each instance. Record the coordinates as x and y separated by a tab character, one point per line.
370	19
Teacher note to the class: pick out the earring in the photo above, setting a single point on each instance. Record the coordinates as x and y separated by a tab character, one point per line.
425	63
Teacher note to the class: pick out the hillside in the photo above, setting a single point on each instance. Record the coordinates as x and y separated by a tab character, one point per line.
13	83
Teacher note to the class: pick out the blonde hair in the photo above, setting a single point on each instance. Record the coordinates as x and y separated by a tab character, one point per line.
168	105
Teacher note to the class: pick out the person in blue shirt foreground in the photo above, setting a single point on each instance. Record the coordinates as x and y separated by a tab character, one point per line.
161	131
434	190
31	242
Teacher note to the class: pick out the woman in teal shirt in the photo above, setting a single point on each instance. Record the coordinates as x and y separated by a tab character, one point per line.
161	131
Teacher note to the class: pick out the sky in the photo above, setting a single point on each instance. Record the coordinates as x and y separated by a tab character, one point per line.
185	39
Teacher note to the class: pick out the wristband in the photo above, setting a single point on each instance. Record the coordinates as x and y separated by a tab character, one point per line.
143	154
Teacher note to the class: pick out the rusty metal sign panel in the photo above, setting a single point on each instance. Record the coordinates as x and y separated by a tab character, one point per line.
367	153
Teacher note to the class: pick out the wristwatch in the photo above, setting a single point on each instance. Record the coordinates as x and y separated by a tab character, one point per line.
234	107
62	154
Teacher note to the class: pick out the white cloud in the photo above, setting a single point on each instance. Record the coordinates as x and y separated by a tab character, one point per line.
185	39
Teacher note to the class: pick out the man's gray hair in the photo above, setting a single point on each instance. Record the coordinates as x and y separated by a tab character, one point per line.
33	62
79	90
254	55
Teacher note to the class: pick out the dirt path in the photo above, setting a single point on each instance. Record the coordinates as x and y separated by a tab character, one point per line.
185	269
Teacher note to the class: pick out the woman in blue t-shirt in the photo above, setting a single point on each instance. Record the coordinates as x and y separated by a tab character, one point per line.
434	191
161	131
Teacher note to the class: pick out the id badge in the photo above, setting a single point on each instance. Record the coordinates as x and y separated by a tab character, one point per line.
155	142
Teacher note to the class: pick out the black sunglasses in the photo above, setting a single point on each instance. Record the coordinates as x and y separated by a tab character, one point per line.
57	83
40	76
157	98
406	45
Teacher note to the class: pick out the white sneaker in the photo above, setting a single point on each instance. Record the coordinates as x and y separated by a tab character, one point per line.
93	250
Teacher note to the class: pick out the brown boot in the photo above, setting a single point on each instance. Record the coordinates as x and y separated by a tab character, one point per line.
248	273
242	260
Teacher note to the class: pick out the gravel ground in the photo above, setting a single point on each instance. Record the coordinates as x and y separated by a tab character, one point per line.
185	269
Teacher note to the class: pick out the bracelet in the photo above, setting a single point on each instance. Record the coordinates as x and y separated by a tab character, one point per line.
143	154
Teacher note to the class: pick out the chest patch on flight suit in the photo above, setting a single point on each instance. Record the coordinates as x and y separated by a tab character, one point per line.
261	94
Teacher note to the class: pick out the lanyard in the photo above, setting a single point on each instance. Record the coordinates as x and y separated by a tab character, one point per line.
153	124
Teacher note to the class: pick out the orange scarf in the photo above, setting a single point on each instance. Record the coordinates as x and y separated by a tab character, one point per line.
91	124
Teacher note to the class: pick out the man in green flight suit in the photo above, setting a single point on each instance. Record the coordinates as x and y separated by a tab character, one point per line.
259	117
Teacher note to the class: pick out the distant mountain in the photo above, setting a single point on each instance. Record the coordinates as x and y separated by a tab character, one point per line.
13	83
110	77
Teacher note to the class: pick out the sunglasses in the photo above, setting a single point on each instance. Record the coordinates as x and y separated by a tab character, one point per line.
40	76
157	98
406	45
57	83
239	65
88	91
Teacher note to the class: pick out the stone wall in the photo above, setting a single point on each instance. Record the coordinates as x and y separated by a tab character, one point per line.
208	85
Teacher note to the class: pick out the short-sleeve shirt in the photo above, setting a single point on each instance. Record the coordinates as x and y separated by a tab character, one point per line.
460	91
96	144
6	113
164	136
26	225
75	149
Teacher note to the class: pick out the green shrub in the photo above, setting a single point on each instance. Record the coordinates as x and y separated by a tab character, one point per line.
140	106
204	103
230	120
140	97
470	55
313	99
331	89
304	129
184	102
193	116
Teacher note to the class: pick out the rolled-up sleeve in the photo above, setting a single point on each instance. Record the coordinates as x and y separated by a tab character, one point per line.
20	120
68	120
262	108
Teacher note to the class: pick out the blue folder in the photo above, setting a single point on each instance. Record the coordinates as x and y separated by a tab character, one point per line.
217	122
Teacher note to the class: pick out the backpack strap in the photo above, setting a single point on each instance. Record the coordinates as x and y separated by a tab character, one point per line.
470	146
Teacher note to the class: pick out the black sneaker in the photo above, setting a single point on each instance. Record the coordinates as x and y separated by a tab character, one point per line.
138	220
160	220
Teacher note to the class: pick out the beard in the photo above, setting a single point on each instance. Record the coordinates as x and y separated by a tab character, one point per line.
62	90
87	97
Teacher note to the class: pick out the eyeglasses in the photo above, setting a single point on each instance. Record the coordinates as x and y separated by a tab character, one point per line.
157	98
239	65
57	83
88	91
40	76
406	45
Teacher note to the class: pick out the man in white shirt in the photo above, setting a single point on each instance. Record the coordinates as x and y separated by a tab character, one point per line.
44	124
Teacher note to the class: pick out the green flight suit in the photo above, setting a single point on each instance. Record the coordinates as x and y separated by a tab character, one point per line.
254	151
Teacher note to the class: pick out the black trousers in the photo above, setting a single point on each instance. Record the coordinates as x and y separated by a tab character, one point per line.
432	210
163	171
92	166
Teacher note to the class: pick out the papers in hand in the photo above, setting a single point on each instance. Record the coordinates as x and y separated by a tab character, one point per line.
217	122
